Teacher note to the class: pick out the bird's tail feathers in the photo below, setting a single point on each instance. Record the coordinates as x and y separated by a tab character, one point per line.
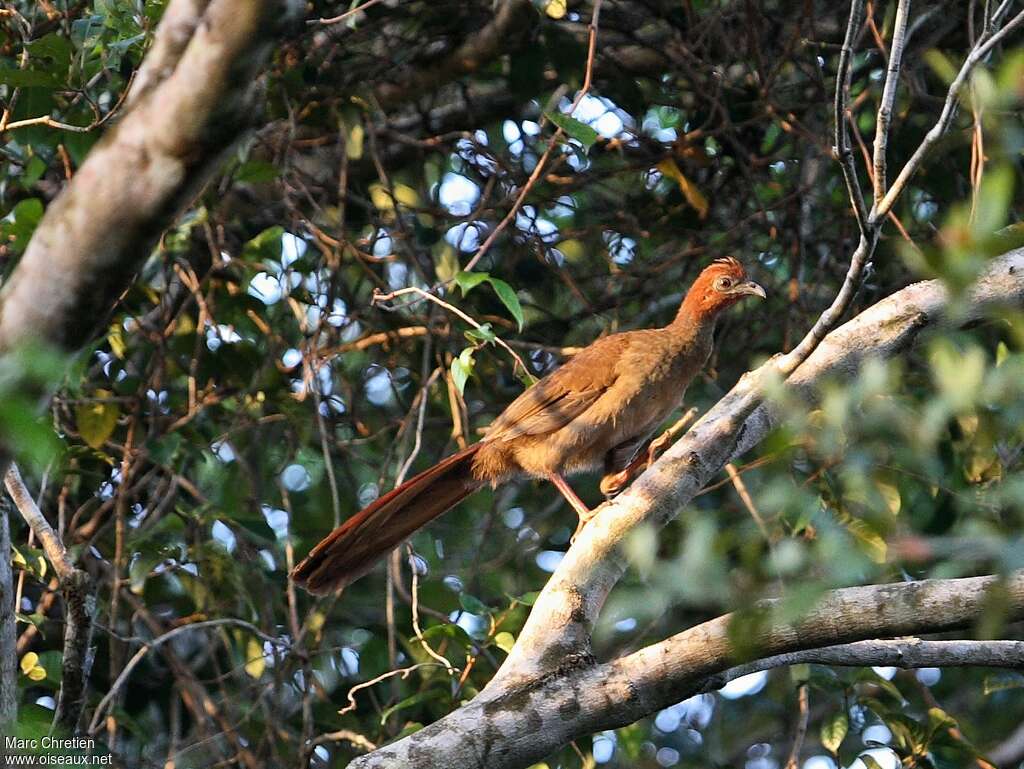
352	549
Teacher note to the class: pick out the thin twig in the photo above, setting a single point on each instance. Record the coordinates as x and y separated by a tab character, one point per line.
452	670
403	672
346	14
343	734
379	298
148	646
803	716
842	135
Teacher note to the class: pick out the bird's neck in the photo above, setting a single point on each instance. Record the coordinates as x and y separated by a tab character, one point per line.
693	317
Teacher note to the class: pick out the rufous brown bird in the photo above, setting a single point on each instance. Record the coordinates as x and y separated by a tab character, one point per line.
597	411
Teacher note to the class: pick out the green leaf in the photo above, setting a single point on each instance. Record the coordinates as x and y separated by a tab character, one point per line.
939	719
18	226
483	334
800	674
467	281
581	132
833	731
473	605
28	78
408	702
508	297
266	245
504	641
462	367
256	171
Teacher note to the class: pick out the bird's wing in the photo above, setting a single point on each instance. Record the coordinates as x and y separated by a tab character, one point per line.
564	394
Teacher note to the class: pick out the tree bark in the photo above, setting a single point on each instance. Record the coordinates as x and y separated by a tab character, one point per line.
192	101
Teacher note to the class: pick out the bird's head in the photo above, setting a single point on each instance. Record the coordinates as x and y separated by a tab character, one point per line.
719	286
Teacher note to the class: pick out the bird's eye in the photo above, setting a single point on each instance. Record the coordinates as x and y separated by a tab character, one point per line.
723	284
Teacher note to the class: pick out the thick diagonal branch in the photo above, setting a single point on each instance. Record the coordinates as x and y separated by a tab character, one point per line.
514	725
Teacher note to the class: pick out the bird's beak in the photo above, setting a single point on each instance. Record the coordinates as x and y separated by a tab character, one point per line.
750	288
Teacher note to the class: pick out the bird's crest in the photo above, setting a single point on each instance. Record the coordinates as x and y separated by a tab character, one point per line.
729	261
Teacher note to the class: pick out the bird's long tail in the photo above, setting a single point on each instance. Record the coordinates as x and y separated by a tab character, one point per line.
351	550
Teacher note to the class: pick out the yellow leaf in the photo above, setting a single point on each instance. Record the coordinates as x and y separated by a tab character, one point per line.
186	325
874	545
381	198
254	654
97	420
891	495
28	662
556	8
116	340
504	641
693	196
406	195
446	263
316	621
354	144
37	674
573	250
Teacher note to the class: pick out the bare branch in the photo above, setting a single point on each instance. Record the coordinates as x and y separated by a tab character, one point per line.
842	134
892	79
55	551
907	653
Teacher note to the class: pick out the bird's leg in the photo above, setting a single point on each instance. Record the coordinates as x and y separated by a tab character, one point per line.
584	512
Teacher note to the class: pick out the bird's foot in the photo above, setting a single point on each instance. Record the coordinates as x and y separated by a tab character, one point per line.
584	519
613	483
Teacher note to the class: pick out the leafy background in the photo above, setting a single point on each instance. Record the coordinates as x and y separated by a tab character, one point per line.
253	388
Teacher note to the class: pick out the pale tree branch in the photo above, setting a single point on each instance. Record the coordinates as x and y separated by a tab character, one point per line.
904	653
506	728
191	103
8	629
892	79
79	606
